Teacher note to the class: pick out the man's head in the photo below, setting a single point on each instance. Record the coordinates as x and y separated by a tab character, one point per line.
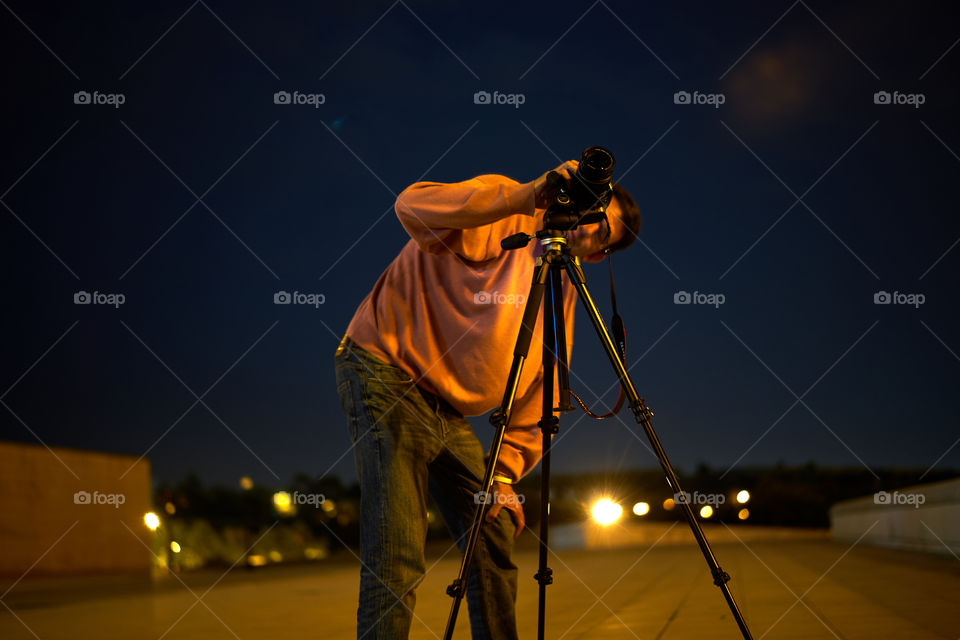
592	243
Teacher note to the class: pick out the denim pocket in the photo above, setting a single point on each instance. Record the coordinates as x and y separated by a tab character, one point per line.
388	374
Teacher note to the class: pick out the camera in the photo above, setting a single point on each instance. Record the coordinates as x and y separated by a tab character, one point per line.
586	198
583	201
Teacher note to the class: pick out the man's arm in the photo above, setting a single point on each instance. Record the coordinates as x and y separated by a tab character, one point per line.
522	446
470	217
464	217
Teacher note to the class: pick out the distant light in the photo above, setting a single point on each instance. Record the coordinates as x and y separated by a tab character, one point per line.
246	483
329	505
743	496
152	521
313	553
283	504
256	561
275	556
170	508
669	504
744	514
706	511
641	508
174	546
606	511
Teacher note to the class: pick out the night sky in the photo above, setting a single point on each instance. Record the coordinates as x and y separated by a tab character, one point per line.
798	199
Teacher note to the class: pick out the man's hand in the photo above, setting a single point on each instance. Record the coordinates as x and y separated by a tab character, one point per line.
504	496
567	171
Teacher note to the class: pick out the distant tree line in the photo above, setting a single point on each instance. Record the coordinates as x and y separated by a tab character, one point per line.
217	524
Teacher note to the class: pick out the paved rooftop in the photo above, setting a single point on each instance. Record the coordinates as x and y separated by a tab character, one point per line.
787	588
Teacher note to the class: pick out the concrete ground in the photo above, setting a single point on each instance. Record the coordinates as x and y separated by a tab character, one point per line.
801	587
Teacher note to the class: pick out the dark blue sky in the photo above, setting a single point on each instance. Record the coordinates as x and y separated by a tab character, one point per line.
797	199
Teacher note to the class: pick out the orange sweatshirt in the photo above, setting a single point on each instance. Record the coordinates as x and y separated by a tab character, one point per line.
448	308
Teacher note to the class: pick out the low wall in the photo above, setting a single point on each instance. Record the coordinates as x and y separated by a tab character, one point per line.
924	517
66	511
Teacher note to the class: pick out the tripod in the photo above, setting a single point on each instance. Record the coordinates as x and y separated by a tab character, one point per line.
546	287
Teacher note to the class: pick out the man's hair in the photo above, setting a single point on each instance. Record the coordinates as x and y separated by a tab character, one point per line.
629	215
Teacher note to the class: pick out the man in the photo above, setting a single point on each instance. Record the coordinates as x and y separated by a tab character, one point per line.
430	344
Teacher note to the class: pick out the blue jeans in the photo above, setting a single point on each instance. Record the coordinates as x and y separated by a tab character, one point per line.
408	442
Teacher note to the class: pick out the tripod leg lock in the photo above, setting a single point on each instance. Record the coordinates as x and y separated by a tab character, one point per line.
641	411
546	577
455	589
720	577
551	426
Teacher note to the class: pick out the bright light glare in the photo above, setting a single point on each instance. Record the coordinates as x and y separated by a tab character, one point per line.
641	508
743	496
175	546
152	521
606	511
283	504
744	514
706	512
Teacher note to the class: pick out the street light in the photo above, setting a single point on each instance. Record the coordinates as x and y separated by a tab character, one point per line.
606	511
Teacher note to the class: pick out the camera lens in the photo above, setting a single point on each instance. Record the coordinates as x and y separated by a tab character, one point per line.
591	188
596	165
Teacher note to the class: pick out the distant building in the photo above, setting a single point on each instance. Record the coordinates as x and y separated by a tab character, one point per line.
924	517
67	511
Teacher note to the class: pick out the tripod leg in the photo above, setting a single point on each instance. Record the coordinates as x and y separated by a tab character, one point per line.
554	342
500	419
642	414
563	375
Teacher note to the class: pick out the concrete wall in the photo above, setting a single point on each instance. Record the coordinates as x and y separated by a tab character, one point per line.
924	517
633	533
40	504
